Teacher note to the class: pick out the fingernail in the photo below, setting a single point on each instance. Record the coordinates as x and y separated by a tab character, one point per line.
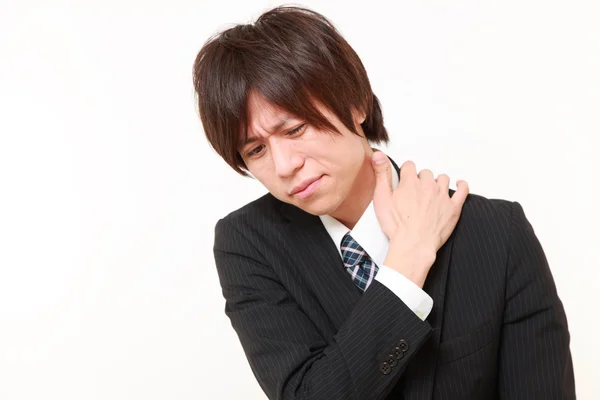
379	157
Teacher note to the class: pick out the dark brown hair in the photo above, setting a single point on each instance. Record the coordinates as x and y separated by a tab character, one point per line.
291	56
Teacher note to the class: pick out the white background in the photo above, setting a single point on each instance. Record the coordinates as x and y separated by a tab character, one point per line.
110	192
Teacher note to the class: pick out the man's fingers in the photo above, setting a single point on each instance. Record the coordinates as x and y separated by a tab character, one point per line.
460	195
444	181
426	174
408	170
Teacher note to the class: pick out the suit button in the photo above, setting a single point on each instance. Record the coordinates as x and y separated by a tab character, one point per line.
398	353
385	368
392	360
403	345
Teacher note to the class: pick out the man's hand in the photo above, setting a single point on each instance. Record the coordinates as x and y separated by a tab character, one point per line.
418	217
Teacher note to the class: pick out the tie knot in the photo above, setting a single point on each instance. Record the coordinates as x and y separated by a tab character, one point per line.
352	253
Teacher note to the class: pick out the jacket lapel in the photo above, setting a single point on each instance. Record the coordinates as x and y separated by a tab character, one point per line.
327	275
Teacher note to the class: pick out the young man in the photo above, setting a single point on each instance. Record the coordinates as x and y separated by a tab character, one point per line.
353	278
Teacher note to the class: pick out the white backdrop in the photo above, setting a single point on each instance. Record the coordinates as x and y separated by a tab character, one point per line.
110	193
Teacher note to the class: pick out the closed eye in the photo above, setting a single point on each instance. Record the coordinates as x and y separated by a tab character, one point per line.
296	130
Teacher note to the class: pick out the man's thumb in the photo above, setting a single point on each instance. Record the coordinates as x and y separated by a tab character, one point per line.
381	166
382	197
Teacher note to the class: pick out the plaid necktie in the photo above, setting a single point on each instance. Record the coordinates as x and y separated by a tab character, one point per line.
358	263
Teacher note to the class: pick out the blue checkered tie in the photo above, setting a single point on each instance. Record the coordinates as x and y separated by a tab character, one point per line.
358	263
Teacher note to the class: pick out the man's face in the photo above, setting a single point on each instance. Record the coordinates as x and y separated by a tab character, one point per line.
299	164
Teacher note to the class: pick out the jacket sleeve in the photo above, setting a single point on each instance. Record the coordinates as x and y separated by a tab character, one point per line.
535	359
288	355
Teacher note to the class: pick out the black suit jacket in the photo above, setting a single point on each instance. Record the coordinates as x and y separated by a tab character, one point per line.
497	329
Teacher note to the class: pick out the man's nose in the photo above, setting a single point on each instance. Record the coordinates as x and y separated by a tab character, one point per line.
286	159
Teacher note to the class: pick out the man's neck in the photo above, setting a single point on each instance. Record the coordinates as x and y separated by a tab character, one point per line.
359	198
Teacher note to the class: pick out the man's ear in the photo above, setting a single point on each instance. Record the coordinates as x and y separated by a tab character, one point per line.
358	115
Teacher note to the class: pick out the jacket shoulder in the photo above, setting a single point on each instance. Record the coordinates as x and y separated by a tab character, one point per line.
481	207
253	220
486	221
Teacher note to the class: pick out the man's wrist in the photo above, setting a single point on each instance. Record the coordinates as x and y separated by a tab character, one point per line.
413	263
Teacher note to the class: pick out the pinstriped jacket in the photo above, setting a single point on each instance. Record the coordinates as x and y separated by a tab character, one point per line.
497	330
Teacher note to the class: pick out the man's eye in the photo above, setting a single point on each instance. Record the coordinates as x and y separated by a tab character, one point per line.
255	150
296	130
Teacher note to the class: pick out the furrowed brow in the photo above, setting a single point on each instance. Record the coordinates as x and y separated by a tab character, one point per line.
275	128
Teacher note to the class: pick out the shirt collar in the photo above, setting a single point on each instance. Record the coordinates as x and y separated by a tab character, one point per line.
366	232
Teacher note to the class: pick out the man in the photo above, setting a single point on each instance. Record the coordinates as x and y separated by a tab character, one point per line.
353	278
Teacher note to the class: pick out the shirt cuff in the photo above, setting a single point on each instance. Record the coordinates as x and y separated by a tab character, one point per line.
412	295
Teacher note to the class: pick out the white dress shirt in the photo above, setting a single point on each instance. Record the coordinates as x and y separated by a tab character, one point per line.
371	238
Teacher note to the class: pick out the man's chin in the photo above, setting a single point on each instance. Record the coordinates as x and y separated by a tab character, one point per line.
317	207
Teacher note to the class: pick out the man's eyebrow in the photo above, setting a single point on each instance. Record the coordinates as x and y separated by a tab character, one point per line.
280	124
275	128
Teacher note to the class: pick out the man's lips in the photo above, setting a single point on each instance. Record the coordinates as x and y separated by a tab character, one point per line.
303	185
